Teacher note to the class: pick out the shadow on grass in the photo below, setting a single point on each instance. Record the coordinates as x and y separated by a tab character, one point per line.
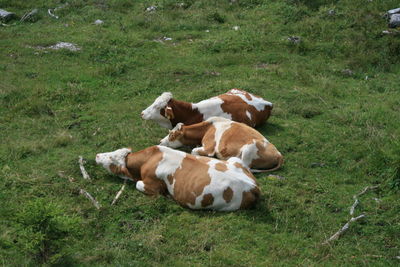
258	214
270	129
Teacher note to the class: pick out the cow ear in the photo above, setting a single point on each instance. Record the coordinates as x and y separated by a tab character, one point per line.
169	113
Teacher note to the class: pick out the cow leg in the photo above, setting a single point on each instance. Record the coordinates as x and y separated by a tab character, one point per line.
151	187
200	151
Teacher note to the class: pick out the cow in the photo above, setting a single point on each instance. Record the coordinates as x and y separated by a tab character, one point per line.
194	182
223	139
237	105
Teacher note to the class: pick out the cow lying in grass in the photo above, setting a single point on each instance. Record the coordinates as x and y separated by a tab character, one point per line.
237	105
193	181
223	139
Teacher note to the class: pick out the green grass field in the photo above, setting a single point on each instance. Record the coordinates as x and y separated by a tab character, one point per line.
339	132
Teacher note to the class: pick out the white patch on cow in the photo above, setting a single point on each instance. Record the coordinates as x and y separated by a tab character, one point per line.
140	186
248	114
211	107
170	162
153	111
256	102
220	128
249	153
116	157
173	144
233	177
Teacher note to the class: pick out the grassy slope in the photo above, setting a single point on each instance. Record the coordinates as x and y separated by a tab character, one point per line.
52	103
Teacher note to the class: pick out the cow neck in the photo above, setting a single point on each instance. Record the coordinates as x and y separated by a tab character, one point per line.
135	160
183	111
195	133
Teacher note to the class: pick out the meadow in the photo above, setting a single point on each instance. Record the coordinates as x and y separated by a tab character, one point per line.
336	115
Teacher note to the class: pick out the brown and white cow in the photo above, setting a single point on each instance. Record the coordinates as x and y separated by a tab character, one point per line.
193	181
223	139
237	105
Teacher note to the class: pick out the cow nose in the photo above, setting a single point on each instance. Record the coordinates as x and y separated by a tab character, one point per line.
142	114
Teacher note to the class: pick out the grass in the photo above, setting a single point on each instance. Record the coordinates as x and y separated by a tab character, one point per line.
338	132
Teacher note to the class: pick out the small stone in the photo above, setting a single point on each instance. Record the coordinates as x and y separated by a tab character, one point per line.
394	21
98	22
331	12
347	72
6	16
207	30
294	39
236	28
64	45
151	8
167	38
393	11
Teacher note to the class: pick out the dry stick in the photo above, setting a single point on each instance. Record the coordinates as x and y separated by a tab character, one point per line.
83	171
344	228
119	193
81	191
352	219
89	196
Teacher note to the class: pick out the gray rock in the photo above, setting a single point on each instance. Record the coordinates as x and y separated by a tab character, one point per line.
294	39
394	21
347	72
31	16
98	22
393	11
331	12
64	45
6	16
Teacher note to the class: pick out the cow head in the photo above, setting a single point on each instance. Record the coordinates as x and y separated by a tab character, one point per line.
174	138
115	162
159	111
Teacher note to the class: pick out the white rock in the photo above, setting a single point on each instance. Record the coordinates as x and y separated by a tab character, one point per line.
64	45
151	8
235	28
98	22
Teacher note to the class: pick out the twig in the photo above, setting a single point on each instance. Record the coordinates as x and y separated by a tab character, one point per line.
119	193
83	171
81	191
343	229
352	219
51	14
89	196
356	202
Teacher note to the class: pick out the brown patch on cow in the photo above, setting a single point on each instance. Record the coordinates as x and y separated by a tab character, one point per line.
183	112
221	167
193	134
207	200
208	140
250	198
142	165
170	179
237	107
245	170
269	157
228	194
235	137
120	170
190	180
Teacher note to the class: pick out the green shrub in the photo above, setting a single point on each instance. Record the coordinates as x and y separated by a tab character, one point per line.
44	232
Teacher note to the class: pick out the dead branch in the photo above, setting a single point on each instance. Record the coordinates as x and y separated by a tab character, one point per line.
81	191
119	193
355	197
343	229
89	196
352	219
83	171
